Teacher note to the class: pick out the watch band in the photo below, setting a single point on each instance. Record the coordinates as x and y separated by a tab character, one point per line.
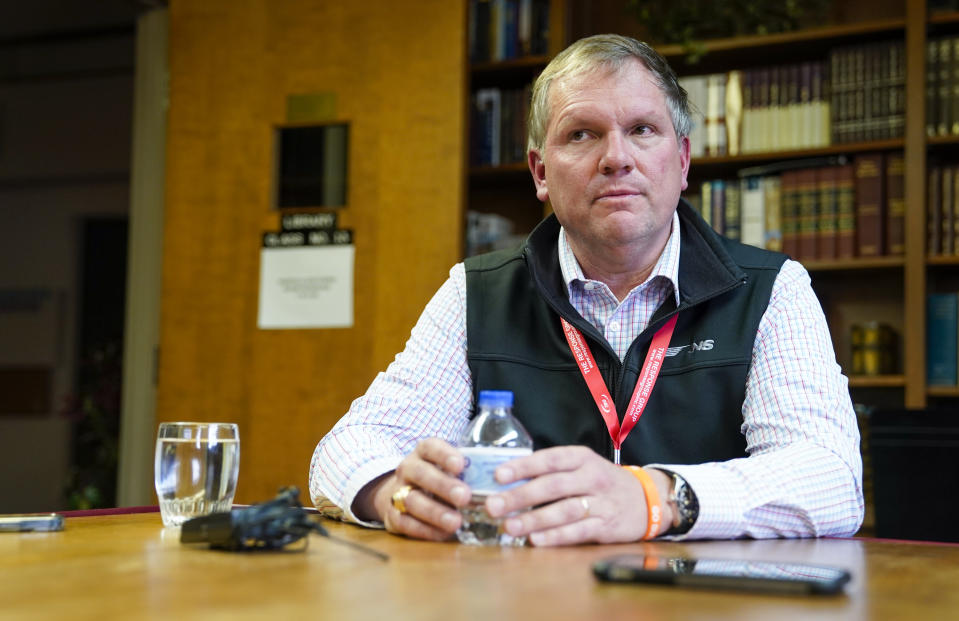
683	498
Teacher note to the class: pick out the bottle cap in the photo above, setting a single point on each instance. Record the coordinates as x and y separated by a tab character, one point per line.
496	398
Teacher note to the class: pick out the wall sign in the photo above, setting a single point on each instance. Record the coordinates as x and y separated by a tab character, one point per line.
306	274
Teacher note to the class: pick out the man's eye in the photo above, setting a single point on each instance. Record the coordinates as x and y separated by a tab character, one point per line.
642	130
577	135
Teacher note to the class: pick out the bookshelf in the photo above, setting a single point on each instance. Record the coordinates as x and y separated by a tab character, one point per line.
937	273
890	289
503	191
855	289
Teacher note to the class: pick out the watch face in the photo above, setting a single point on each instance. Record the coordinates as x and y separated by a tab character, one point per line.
687	505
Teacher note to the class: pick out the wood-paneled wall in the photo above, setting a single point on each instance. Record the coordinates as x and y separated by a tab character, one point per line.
397	70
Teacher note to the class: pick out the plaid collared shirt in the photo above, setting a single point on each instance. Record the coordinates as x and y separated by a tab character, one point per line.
802	478
621	322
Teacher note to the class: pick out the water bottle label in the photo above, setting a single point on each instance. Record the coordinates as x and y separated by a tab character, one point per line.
481	464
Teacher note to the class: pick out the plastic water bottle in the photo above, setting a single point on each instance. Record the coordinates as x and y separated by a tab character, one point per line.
493	437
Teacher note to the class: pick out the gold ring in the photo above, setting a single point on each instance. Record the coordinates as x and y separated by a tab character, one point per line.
585	502
399	498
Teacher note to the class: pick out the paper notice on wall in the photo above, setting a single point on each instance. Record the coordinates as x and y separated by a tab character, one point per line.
306	287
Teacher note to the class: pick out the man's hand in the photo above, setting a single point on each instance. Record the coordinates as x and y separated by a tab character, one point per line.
564	482
431	506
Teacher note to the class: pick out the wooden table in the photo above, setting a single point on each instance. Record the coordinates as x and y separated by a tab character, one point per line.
129	566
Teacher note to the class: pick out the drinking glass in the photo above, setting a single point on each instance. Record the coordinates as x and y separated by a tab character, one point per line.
195	469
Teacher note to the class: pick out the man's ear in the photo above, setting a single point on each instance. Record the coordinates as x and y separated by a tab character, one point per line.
538	169
684	158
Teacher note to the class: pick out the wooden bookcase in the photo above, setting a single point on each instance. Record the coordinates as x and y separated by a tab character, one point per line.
852	290
889	289
507	189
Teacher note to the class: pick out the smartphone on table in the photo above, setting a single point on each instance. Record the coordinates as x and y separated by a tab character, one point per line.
737	574
25	522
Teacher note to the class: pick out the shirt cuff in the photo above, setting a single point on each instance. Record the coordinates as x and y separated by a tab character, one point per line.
357	481
720	501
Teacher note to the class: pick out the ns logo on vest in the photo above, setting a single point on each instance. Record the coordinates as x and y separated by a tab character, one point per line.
704	345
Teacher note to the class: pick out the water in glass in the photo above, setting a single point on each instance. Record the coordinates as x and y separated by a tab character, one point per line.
196	471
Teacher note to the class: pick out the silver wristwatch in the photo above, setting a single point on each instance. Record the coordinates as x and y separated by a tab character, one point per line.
682	496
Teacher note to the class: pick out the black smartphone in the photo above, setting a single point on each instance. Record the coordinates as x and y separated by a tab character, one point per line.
24	522
767	576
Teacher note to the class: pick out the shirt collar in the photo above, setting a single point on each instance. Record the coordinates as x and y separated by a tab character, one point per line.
666	267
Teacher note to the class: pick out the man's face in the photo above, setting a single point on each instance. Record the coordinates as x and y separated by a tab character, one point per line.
611	164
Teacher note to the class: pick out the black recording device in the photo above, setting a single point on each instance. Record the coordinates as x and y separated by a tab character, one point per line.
269	525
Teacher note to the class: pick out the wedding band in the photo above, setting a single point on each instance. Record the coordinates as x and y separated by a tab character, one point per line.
585	502
399	498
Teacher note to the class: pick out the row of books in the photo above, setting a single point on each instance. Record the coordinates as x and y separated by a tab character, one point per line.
867	91
761	110
942	339
498	126
942	210
841	211
856	95
770	109
505	29
942	86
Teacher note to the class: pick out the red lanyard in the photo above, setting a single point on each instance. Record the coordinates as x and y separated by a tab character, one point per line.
597	387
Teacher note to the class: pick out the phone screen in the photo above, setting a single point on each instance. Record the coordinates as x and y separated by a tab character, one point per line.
769	576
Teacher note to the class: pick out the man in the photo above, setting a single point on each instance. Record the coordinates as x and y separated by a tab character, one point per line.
748	429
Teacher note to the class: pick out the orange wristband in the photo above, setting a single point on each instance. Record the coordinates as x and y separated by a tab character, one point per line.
654	510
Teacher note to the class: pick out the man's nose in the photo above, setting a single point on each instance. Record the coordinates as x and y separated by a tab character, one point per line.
616	154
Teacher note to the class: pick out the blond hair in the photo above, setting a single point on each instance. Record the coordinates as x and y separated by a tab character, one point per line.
613	52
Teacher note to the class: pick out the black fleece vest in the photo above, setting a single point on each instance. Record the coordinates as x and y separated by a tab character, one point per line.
515	342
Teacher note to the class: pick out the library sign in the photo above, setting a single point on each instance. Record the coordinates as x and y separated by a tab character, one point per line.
306	267
306	274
